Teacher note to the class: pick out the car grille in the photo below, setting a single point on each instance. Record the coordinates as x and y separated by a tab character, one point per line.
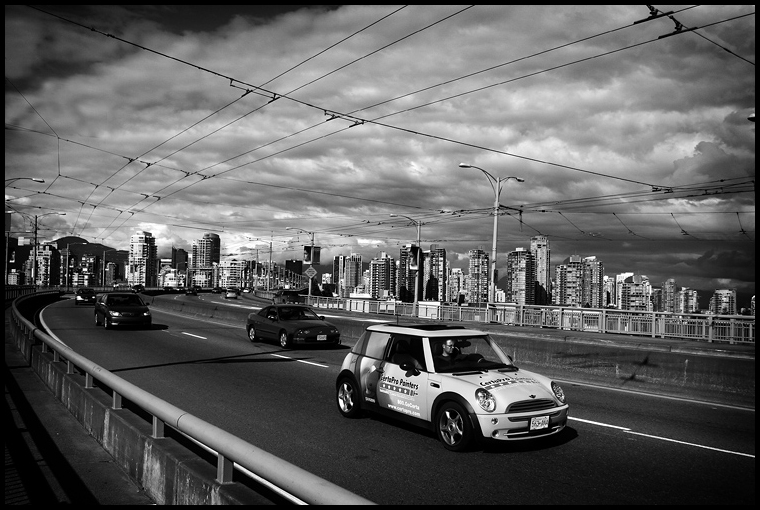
527	406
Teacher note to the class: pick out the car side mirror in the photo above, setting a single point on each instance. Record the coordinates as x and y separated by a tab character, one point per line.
322	317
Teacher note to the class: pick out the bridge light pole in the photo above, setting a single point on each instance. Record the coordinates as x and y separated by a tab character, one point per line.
496	184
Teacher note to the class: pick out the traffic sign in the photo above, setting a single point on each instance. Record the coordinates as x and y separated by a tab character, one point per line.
311	272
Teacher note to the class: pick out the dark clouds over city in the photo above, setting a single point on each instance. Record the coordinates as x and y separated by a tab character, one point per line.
243	121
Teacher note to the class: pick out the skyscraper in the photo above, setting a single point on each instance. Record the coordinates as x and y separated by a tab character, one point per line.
521	277
539	247
382	276
206	254
435	275
593	282
477	283
669	295
143	260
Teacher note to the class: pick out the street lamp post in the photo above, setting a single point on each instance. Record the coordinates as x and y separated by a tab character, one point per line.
418	224
34	262
311	252
496	184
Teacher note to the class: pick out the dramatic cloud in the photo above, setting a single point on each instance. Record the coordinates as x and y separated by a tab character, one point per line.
243	121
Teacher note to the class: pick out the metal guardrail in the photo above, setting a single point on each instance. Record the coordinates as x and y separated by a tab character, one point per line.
301	485
732	329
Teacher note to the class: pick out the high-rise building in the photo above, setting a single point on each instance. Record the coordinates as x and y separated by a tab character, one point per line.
568	290
179	259
687	300
435	274
723	302
405	276
354	274
205	255
382	277
339	274
593	282
669	290
143	260
636	294
521	277
539	248
457	287
477	281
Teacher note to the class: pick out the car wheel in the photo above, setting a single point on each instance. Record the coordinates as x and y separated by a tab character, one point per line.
348	398
453	427
284	342
97	320
251	333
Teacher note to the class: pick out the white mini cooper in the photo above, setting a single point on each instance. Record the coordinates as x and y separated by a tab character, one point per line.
474	391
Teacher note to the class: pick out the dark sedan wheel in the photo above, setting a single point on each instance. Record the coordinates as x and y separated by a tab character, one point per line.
284	342
348	398
453	427
251	333
97	320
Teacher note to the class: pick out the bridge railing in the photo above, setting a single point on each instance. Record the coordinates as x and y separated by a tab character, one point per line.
732	329
288	480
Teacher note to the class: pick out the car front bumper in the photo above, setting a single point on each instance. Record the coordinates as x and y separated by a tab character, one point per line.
513	427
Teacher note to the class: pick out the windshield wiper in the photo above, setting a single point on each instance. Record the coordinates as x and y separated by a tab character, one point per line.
513	368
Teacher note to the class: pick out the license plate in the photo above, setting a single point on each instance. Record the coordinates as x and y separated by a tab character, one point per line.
321	338
539	422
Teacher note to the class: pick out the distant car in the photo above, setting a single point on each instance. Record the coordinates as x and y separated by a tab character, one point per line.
216	290
231	293
247	290
139	288
475	393
191	291
290	325
121	309
85	296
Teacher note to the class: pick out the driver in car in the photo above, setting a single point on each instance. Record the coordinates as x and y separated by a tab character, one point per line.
449	354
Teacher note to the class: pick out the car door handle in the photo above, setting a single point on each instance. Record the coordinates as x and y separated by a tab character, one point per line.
435	385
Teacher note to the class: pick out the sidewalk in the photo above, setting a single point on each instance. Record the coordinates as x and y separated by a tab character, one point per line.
49	457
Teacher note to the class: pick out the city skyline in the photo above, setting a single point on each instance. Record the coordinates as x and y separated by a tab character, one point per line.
327	266
244	121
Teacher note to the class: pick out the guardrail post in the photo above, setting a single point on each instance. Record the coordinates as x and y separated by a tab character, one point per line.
69	367
116	401
89	381
158	428
224	469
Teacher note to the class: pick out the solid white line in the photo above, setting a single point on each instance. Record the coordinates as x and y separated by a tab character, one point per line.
196	336
629	431
301	361
600	424
692	444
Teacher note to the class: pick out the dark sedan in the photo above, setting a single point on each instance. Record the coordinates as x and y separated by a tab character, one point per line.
84	296
291	324
121	309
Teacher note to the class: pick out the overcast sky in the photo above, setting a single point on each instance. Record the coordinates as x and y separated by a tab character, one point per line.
242	121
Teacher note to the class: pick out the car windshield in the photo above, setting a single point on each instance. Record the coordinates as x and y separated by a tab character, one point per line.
130	300
297	314
469	353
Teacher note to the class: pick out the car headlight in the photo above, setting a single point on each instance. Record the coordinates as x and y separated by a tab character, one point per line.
558	392
485	400
114	314
146	313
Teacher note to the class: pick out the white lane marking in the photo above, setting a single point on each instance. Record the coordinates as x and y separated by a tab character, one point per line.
692	444
599	423
301	361
629	431
196	336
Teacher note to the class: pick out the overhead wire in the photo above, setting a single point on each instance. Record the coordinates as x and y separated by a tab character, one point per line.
341	130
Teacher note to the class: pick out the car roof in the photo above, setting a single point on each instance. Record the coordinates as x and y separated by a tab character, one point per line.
431	330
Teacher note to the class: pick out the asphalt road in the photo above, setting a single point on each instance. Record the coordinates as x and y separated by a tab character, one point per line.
619	448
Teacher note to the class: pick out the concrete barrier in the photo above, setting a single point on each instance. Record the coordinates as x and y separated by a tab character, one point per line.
169	471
